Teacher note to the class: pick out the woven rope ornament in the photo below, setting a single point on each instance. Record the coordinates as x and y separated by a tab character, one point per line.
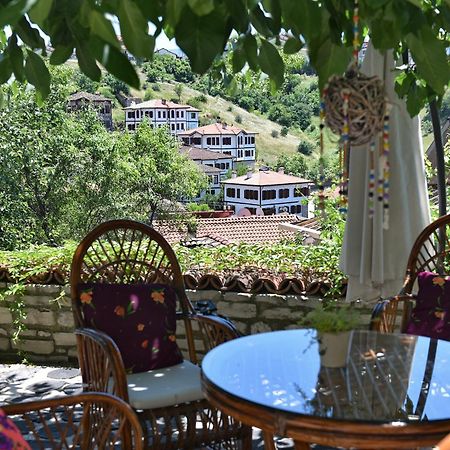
366	105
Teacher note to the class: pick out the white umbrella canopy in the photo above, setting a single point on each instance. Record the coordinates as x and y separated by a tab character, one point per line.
373	258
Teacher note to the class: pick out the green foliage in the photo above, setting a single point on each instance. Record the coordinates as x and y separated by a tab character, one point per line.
238	118
284	131
198	207
295	164
305	148
115	84
274	133
330	317
148	95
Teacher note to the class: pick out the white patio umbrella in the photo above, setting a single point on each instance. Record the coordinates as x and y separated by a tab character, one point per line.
374	259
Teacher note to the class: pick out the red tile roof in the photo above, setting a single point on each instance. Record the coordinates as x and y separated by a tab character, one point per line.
266	178
251	229
216	128
88	96
159	103
202	154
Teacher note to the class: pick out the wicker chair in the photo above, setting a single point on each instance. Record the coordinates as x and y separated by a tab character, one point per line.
128	252
84	421
430	252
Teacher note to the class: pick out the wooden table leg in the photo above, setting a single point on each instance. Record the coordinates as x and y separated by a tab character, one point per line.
269	444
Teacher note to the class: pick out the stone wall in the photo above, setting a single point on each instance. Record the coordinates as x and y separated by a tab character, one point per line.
49	336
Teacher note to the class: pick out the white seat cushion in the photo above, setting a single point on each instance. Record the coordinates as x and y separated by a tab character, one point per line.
165	387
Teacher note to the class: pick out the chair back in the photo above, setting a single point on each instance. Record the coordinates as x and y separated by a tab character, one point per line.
81	421
430	252
125	252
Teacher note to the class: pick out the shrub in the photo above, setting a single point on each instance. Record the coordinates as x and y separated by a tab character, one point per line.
201	98
274	134
194	102
230	108
155	87
148	95
305	148
238	118
284	131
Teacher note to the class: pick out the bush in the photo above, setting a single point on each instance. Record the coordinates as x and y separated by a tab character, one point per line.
155	87
238	118
194	102
201	98
148	95
274	134
198	207
230	108
284	131
305	148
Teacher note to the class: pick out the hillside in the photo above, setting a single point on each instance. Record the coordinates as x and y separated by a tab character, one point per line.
268	147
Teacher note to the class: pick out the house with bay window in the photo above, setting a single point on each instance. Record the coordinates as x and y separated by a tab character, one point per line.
226	139
178	118
268	192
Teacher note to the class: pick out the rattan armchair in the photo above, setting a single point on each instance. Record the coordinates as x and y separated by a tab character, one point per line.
430	252
84	421
128	252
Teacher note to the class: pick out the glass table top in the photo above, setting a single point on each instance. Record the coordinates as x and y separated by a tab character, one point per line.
385	377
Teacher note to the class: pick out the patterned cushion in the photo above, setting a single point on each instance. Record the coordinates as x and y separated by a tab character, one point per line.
141	319
430	317
10	437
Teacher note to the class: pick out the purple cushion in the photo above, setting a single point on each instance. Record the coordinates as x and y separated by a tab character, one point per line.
430	317
141	319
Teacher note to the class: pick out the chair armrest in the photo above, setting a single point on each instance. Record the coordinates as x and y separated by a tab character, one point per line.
385	313
101	364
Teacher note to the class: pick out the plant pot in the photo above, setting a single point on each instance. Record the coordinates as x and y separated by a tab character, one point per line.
333	348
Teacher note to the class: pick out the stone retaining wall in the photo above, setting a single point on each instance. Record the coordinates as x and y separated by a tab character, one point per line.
49	336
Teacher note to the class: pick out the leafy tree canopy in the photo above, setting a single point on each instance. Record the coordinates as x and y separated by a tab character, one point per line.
202	29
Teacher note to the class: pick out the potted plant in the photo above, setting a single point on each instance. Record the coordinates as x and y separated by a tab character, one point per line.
334	325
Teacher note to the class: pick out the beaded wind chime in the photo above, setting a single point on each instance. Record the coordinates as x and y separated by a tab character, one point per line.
354	106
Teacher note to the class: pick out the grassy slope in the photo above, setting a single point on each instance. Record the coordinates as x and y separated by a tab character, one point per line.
268	148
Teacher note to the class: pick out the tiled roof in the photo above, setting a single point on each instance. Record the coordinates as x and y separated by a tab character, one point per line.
88	96
251	229
202	154
266	178
159	103
216	128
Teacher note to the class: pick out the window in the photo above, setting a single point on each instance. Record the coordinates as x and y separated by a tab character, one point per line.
212	191
172	126
164	114
240	140
212	141
172	113
192	115
269	195
182	113
178	126
231	192
178	114
196	141
227	165
159	114
186	140
216	179
131	114
248	153
226	141
250	194
252	139
305	191
227	152
283	193
182	126
131	126
252	210
296	209
238	193
268	211
148	113
208	141
239	154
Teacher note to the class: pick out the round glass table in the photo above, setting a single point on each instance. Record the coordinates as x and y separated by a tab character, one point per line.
392	391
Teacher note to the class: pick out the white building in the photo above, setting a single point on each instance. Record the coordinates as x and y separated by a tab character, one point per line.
225	139
272	192
178	118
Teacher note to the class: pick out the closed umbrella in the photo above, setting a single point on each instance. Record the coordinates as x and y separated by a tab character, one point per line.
373	258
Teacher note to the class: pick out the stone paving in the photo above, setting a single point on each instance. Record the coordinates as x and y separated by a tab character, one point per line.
21	383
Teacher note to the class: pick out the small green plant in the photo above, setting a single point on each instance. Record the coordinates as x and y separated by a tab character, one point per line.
284	131
155	87
331	318
274	134
148	95
238	118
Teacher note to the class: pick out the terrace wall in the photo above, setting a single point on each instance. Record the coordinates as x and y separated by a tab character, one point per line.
49	336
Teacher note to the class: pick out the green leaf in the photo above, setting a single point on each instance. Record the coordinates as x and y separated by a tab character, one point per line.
251	51
16	57
292	45
403	83
430	57
29	35
201	38
5	68
417	95
330	59
238	14
201	7
271	62
37	73
61	54
261	22
174	9
103	28
303	16
40	11
134	30
238	60
87	62
13	11
115	62
385	34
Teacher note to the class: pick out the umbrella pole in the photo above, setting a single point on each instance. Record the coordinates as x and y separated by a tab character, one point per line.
440	164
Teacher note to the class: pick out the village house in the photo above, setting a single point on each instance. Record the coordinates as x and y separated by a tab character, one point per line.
178	118
102	105
222	138
268	192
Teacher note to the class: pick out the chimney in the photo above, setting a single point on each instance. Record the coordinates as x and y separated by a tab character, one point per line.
163	101
249	174
224	125
233	174
281	170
